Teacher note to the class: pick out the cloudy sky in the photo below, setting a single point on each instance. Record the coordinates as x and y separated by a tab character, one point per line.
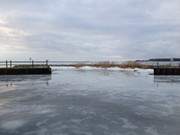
89	29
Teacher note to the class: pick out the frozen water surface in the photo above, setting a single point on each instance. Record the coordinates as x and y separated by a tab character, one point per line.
90	102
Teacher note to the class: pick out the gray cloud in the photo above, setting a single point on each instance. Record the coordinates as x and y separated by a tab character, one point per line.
89	29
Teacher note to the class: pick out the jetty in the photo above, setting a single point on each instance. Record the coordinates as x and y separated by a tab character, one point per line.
165	70
167	66
25	68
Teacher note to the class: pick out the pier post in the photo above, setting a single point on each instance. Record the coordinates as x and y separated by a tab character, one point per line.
10	63
6	64
46	62
32	63
157	64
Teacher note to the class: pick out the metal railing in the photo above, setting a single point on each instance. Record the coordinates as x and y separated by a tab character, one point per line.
169	65
12	64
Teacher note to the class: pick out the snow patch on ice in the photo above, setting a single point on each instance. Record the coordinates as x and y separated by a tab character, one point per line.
128	124
12	125
151	131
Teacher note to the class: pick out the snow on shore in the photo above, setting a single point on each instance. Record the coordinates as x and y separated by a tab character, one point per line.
149	71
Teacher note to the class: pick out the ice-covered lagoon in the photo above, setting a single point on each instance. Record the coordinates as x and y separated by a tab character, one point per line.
90	102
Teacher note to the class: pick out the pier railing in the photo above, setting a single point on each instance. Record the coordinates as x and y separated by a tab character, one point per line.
12	64
167	66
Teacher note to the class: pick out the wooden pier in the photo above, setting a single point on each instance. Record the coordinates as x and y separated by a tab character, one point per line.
166	70
25	68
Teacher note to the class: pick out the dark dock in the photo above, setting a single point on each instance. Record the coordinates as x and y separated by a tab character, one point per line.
166	70
29	68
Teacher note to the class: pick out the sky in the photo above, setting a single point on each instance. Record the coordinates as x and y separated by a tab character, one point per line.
89	29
